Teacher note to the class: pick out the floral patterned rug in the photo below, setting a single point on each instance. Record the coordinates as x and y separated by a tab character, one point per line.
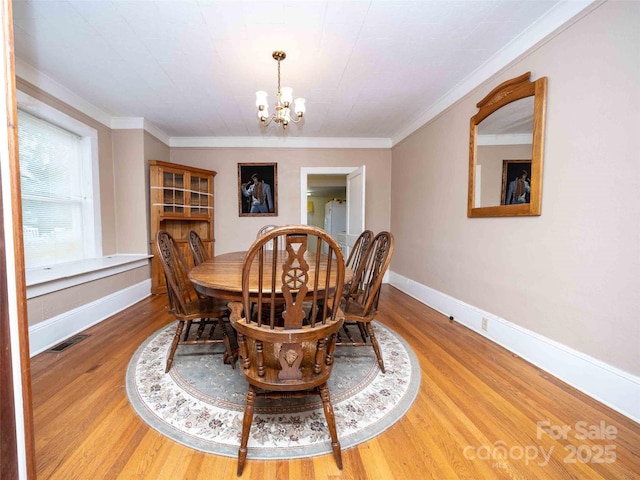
200	402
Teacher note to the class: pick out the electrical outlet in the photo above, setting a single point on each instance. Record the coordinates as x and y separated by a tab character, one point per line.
485	324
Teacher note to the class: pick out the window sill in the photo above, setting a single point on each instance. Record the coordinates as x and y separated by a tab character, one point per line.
43	280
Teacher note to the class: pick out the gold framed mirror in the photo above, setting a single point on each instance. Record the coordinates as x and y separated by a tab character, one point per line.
506	147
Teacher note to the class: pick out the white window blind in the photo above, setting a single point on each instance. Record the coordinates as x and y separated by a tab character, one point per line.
57	204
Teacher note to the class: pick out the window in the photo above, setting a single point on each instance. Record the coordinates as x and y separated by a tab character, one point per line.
58	213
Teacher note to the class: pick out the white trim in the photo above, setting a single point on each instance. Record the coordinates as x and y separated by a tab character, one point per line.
353	232
304	171
607	384
127	123
46	334
478	190
43	280
563	14
46	112
50	86
513	139
139	123
280	142
157	132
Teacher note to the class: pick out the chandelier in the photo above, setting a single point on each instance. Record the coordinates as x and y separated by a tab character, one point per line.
284	97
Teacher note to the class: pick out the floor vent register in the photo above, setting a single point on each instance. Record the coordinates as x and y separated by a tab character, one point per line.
67	343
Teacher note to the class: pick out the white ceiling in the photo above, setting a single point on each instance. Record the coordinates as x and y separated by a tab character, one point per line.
368	69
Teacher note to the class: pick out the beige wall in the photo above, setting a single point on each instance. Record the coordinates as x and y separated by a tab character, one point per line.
131	151
572	273
131	205
60	302
236	233
154	149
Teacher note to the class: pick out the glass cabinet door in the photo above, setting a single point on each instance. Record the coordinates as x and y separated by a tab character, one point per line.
199	198
173	192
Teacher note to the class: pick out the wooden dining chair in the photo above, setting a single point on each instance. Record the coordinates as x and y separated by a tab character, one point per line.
355	261
361	304
187	306
285	352
199	251
266	229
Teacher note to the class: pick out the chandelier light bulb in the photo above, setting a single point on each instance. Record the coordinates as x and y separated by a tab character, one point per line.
299	106
284	99
287	95
261	99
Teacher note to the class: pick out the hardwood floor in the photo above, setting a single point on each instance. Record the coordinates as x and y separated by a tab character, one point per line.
475	416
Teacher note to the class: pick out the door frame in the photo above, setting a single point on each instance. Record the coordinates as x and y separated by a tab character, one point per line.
16	418
353	199
305	171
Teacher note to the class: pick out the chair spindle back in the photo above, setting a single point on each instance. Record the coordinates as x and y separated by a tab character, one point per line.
180	290
365	289
199	251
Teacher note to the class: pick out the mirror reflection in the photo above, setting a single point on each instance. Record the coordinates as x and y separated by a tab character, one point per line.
506	150
503	163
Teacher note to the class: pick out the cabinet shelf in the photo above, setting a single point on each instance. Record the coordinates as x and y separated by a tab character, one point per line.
181	199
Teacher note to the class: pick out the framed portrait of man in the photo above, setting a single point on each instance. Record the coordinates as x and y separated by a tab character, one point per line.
516	182
258	189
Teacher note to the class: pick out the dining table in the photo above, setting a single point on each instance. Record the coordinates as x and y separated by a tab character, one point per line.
221	276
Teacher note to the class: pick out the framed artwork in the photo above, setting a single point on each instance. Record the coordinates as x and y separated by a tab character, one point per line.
258	189
516	182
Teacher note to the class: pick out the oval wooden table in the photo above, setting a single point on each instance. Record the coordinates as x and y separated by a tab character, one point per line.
221	276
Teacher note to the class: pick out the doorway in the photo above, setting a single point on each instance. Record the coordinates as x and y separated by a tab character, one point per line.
319	185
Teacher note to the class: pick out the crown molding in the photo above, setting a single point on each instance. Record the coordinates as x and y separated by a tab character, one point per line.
139	123
565	13
62	93
157	132
560	17
46	84
280	142
127	123
43	110
50	86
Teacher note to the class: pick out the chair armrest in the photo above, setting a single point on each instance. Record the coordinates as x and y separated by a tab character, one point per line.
236	311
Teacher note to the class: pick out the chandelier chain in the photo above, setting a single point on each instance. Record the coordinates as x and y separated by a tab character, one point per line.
278	76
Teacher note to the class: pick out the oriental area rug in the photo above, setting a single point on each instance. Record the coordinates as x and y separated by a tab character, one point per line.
200	402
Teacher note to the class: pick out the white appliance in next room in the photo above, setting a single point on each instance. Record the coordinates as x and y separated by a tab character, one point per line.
335	219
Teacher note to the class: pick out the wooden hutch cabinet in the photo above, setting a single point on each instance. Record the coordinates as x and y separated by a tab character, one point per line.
181	199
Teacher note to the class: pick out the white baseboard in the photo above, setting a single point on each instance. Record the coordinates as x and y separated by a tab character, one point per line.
607	384
46	334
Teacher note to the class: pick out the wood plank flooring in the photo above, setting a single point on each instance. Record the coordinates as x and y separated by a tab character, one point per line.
475	416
